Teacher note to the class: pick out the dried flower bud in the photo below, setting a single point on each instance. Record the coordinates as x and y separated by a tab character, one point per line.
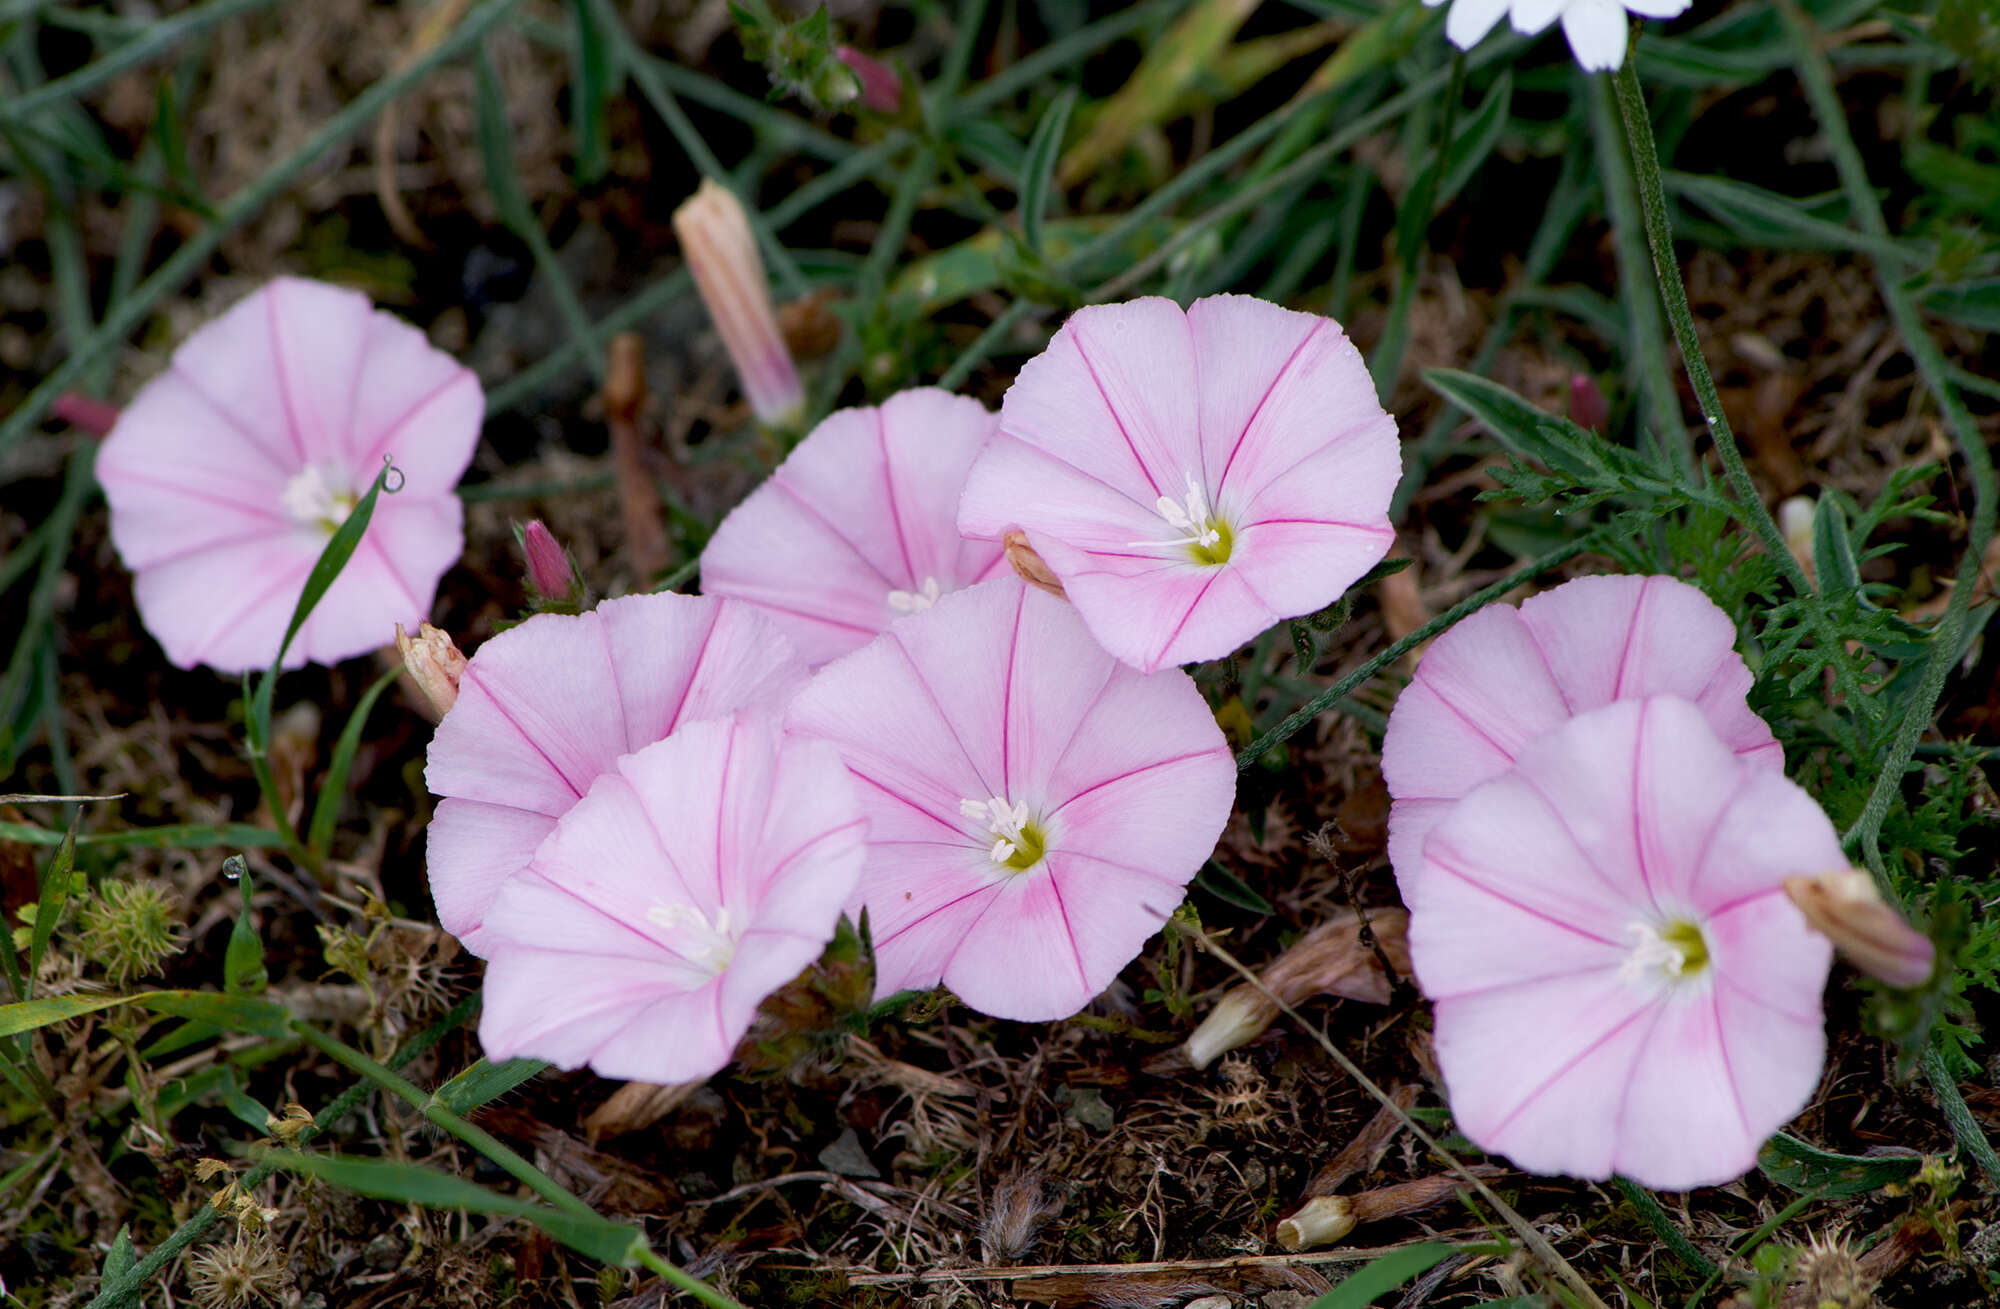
1845	907
434	664
1028	565
722	254
295	1120
1828	1272
1327	1218
1587	405
881	89
207	1170
233	1274
1332	959
550	571
1795	520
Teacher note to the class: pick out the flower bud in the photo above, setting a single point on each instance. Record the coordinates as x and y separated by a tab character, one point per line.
722	254
1028	565
1795	520
549	569
1845	907
434	664
881	89
1587	405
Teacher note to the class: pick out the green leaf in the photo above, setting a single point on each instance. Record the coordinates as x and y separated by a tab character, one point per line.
1303	648
243	964
1790	1162
1381	1275
1976	304
235	1012
1387	568
1522	428
1230	889
496	147
1038	176
1471	142
56	886
593	1237
484	1082
175	836
590	84
27	1015
118	1260
1833	551
246	1108
333	788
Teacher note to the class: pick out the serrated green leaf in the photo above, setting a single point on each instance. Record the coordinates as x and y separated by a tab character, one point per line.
596	1238
1038	174
1792	1163
484	1082
1383	1274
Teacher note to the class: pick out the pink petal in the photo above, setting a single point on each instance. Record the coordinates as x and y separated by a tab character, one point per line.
756	836
866	506
415	406
998	691
1266	413
545	708
1502	678
472	849
227	606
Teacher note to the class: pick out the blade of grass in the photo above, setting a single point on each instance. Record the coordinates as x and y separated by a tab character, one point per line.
176	836
41	608
326	809
155	39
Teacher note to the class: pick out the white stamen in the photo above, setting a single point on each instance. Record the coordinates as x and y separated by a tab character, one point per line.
915	602
1650	951
705	943
309	497
1190	517
1002	820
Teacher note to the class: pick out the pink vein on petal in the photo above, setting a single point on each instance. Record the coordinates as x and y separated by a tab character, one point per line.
1264	399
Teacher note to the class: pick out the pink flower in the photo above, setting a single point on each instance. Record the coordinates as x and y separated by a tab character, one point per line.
881	89
1504	677
696	877
1621	984
228	473
550	571
1191	478
545	707
859	526
1035	808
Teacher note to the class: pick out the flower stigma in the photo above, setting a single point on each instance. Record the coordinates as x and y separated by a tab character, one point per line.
1678	951
1019	844
1205	536
707	944
918	599
311	500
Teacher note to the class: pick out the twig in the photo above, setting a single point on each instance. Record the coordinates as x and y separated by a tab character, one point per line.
1346	1255
638	498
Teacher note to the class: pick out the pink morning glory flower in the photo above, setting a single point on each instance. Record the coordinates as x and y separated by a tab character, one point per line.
1035	808
546	707
1504	677
697	876
228	473
859	526
1191	478
1621	984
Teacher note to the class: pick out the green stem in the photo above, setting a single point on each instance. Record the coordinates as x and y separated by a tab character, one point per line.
1673	294
1663	1227
1642	311
159	36
1340	690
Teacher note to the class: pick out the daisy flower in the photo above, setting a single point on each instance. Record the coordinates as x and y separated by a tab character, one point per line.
229	472
859	526
1036	809
1505	677
1595	28
697	876
1621	984
1191	478
544	708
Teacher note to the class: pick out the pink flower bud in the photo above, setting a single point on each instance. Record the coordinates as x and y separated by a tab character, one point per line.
434	664
1587	405
93	416
549	568
881	89
1845	907
722	254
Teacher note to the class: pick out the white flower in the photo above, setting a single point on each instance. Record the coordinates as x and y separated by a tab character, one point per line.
1595	28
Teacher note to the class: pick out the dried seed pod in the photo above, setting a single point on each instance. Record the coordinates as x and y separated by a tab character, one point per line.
1328	1218
1029	566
